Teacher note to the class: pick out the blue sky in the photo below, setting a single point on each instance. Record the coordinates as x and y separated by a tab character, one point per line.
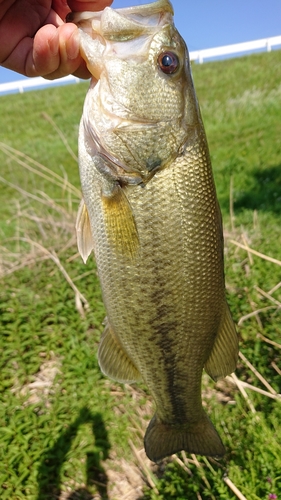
211	23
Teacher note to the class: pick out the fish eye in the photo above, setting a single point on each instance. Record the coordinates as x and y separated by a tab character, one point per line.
168	62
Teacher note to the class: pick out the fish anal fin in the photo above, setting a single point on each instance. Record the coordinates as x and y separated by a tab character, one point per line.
113	360
224	355
85	241
120	223
162	440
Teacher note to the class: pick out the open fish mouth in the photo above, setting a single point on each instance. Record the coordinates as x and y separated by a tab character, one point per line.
135	24
127	22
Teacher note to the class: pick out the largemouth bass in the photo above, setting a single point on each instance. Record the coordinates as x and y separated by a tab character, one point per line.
151	215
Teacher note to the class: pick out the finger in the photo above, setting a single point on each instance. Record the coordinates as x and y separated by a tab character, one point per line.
61	8
93	5
16	61
19	23
31	55
69	59
45	57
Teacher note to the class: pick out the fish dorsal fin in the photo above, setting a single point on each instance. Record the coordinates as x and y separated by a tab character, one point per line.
120	223
85	241
224	355
113	360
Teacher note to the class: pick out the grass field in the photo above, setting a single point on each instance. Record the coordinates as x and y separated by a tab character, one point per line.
66	431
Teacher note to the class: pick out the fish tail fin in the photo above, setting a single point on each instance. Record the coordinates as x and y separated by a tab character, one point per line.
162	440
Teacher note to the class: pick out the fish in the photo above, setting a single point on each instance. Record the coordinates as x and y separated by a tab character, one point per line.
151	217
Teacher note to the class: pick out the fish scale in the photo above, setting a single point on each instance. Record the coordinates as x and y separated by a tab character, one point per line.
151	215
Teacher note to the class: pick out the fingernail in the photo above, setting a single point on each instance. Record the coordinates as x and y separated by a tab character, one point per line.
73	46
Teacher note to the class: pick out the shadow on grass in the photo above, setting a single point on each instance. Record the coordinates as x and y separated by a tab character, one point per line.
265	191
53	459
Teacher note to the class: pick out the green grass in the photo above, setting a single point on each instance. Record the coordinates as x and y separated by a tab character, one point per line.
65	429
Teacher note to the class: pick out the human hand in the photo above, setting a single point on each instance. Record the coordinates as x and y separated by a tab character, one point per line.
35	40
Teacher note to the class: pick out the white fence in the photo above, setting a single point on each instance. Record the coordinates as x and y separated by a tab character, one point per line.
237	48
198	55
35	83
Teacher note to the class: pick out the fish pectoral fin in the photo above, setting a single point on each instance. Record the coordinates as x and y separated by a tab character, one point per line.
84	235
120	223
113	360
224	355
162	440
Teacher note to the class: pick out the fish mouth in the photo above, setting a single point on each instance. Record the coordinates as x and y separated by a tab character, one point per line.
110	27
126	23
